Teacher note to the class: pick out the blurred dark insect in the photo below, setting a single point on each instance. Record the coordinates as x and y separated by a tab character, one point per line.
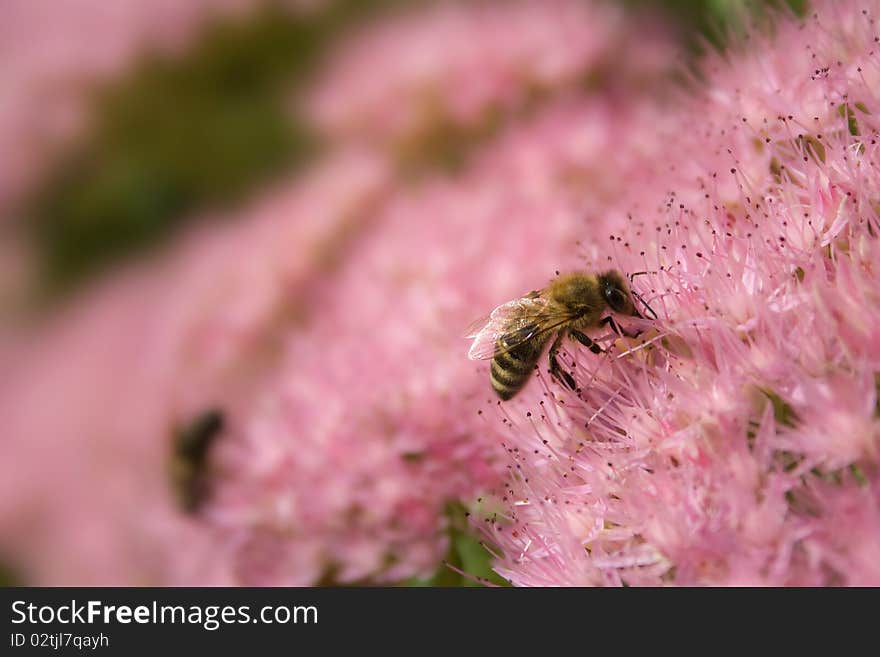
189	462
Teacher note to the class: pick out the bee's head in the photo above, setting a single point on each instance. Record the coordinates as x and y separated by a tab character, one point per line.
616	293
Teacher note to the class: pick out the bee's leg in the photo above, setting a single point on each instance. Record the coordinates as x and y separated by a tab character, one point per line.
556	370
587	342
609	320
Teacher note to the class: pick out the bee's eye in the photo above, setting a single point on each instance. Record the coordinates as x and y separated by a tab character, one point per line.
615	298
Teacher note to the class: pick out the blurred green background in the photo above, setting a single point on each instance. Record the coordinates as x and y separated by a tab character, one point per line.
205	129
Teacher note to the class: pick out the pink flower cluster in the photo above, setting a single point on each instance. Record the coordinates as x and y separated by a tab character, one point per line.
735	440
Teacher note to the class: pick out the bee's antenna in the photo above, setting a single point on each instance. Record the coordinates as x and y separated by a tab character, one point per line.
639	296
644	303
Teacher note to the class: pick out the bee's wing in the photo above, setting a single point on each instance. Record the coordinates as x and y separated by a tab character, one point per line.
525	318
507	312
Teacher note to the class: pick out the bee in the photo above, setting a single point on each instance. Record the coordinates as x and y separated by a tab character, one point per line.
515	334
189	462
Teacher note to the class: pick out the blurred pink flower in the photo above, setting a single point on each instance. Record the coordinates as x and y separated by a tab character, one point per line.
460	66
735	442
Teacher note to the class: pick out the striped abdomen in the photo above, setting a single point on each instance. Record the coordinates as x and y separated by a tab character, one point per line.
512	368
